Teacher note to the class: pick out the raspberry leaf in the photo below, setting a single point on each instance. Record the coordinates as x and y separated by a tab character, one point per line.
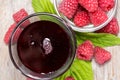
98	39
43	6
80	70
37	6
84	68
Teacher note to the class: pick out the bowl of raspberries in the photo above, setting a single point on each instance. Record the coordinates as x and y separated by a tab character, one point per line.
86	15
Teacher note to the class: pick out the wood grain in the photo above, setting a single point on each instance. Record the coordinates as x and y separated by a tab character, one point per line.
109	71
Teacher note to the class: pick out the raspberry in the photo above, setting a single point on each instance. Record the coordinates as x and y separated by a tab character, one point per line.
85	50
68	8
106	5
98	17
6	37
101	55
112	27
18	16
69	78
90	5
81	18
9	32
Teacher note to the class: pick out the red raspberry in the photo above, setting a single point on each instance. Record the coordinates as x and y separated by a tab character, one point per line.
112	27
85	50
101	55
9	32
69	78
106	5
68	8
81	18
98	17
90	5
18	16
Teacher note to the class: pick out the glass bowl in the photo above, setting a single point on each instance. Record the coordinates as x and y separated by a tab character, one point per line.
90	27
14	52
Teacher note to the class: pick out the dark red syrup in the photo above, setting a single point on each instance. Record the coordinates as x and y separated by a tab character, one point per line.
43	46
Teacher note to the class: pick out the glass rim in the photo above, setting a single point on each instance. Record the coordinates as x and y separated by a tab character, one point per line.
55	73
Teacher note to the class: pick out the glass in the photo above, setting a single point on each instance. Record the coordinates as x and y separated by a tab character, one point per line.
21	26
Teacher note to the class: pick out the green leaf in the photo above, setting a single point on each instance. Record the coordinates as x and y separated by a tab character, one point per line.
43	6
80	70
98	39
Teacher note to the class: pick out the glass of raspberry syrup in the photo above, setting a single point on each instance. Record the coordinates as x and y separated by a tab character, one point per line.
44	48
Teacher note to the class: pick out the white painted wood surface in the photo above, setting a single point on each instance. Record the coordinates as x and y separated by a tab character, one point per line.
109	71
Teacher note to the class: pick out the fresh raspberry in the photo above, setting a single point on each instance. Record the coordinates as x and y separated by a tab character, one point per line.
81	18
112	27
90	5
85	50
9	32
98	17
6	37
106	5
69	78
101	55
18	16
68	8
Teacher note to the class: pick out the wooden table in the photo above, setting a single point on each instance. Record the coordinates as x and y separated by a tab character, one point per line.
109	71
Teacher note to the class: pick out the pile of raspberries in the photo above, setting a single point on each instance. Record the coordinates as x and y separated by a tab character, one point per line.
84	12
